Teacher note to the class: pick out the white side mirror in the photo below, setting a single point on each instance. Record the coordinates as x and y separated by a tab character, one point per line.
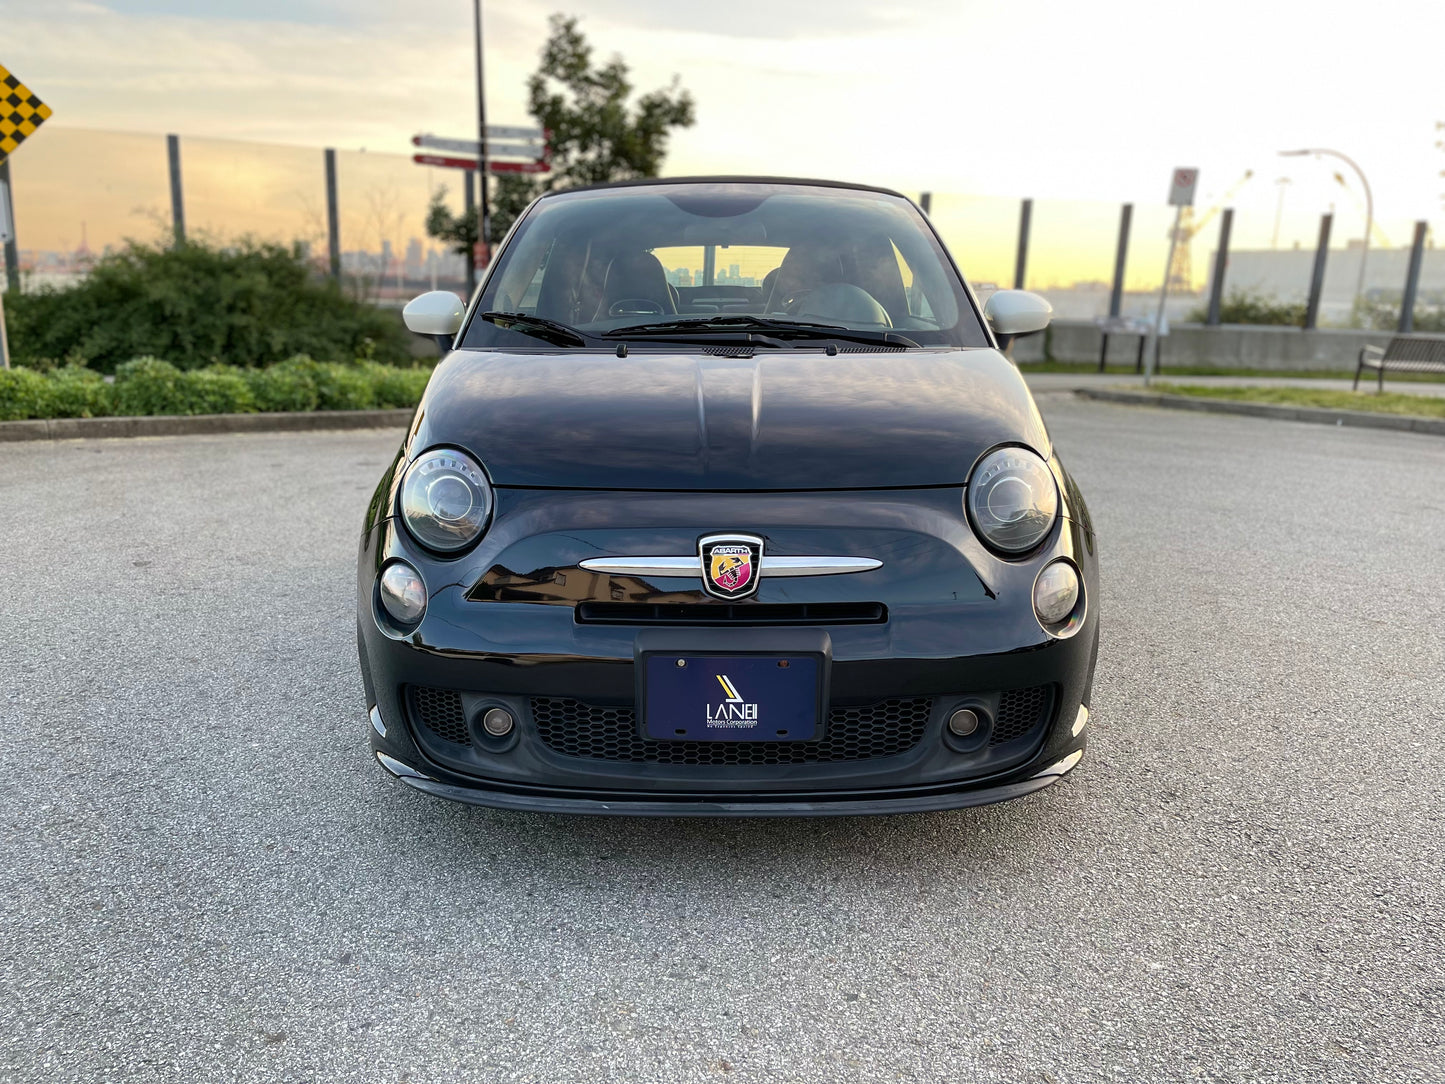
1016	312
439	312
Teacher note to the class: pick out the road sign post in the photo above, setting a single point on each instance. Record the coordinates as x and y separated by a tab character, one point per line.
24	112
1182	184
7	235
12	249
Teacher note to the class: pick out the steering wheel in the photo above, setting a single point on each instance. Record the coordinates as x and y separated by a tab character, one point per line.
635	306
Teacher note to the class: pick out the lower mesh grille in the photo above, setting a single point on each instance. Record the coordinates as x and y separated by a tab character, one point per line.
599	732
440	711
1019	711
604	732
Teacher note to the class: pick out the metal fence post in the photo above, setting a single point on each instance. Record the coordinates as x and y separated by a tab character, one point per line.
12	247
1412	280
333	220
925	201
1221	260
178	207
1026	212
1116	294
470	206
1317	277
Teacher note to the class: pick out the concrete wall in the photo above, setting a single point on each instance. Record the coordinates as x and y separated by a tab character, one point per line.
1231	346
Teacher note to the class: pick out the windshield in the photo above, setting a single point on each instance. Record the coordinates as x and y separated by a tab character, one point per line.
695	261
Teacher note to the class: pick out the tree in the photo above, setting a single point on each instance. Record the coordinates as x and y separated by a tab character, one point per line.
596	135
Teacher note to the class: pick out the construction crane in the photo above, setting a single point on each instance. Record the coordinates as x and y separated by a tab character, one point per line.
1181	270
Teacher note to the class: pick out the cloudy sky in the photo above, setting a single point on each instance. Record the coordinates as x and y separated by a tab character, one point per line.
1055	99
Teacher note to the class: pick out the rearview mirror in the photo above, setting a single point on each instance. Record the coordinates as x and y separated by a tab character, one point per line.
436	313
1016	312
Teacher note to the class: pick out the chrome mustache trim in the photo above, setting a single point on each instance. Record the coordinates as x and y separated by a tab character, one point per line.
692	566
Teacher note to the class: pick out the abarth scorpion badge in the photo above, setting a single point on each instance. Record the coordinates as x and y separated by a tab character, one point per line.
731	564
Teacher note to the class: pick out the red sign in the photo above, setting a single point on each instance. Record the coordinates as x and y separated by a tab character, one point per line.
471	163
519	167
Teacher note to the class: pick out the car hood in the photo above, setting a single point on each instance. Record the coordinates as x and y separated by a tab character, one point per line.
786	420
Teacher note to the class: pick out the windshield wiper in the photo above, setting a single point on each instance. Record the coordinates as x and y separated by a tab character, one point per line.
782	329
552	331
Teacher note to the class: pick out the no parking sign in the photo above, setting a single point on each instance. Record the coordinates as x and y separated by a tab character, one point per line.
1181	187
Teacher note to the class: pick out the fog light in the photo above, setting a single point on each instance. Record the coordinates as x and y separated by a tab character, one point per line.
1056	592
403	594
497	722
963	722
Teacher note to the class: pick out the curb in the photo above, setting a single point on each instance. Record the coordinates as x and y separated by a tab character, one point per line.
1360	419
170	425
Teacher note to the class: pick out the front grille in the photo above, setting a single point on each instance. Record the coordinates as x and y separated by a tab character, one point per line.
440	711
599	732
755	613
1019	711
603	732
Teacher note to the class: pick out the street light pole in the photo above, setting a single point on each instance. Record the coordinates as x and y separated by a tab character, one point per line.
482	148
1369	207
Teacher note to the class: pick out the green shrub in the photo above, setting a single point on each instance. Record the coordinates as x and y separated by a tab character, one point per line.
74	392
218	389
152	386
147	386
1245	307
192	305
283	387
22	394
1381	312
344	387
397	387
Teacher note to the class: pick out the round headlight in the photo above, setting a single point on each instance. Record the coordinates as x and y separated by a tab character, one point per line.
1012	500
445	500
1056	592
403	594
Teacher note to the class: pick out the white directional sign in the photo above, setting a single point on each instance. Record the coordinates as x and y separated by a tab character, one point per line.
1181	187
515	150
524	143
497	131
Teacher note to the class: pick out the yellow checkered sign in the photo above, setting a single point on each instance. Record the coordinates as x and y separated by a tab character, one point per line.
21	112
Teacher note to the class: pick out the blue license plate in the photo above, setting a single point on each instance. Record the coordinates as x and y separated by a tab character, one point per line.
731	697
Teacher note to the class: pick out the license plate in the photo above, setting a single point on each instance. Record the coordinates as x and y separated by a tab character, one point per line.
690	697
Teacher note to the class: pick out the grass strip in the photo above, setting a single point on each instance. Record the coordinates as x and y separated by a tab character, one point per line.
1209	370
1420	406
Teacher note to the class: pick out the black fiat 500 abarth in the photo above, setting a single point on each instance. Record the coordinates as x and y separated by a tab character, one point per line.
725	502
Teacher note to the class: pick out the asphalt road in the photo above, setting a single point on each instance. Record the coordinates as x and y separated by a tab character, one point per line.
205	879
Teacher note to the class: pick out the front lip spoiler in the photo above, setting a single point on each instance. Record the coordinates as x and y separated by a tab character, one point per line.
842	805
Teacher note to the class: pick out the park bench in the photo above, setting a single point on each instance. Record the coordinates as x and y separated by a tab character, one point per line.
1128	325
1406	354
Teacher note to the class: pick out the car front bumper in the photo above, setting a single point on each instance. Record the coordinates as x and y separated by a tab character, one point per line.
927	659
